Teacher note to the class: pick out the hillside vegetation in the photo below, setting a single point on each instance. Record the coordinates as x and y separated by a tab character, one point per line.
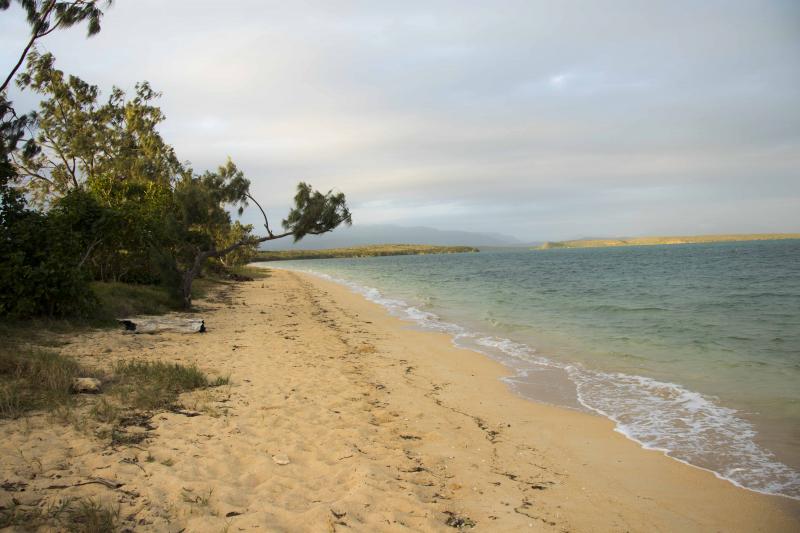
377	250
652	241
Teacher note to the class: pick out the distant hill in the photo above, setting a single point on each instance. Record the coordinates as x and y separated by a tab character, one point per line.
652	241
361	251
359	235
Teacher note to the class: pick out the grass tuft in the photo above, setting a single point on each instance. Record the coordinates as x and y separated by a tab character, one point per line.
35	380
88	516
105	411
74	515
153	385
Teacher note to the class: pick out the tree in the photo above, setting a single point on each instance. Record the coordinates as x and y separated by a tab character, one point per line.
204	200
103	167
82	142
111	150
41	255
46	16
239	256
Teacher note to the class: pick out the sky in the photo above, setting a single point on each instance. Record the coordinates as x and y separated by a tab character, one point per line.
542	120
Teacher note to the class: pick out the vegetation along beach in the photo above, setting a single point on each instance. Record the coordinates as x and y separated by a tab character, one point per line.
345	266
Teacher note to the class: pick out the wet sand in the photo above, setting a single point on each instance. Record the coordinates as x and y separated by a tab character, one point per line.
340	417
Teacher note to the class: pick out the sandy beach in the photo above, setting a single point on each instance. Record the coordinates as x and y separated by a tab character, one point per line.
340	417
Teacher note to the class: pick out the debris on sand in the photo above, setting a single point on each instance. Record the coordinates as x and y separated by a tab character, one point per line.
458	521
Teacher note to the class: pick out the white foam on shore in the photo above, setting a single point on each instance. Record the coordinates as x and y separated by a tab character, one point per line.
685	425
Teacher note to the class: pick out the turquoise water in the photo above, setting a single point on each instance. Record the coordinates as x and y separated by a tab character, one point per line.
690	349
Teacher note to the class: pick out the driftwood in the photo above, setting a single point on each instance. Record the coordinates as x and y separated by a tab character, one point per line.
159	324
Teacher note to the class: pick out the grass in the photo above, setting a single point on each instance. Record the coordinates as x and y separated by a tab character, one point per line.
39	380
35	380
115	300
377	250
105	411
151	385
119	300
75	515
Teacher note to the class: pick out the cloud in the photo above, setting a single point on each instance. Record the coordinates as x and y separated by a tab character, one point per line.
541	119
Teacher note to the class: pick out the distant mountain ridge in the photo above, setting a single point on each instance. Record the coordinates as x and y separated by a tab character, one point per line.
359	235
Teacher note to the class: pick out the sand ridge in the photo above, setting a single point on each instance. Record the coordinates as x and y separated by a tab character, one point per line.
339	417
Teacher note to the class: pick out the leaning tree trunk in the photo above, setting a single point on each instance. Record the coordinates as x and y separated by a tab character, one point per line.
191	273
201	258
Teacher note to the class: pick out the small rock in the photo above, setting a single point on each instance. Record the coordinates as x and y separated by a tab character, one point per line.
338	511
281	459
86	385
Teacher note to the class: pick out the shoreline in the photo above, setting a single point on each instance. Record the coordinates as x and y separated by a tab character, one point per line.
551	384
501	372
342	417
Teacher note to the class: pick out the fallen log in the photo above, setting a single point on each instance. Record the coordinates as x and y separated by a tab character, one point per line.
161	324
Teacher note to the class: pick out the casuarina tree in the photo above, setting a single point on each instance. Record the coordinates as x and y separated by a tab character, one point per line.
204	201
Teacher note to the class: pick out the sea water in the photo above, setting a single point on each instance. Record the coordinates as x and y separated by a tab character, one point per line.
690	349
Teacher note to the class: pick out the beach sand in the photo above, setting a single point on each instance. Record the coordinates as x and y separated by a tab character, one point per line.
339	417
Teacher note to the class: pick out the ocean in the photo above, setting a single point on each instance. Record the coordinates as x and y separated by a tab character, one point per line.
693	350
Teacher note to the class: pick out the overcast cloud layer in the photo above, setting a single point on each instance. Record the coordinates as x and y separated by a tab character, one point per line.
542	120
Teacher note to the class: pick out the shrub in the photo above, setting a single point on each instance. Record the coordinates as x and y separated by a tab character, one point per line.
40	262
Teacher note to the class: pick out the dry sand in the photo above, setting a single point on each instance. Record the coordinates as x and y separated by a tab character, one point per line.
340	417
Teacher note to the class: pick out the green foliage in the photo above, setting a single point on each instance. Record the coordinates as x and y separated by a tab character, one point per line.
234	233
202	201
113	152
40	272
113	149
315	213
44	16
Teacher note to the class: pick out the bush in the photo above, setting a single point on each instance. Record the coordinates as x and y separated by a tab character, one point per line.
40	261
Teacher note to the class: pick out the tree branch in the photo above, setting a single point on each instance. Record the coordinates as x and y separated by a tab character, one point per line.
89	251
266	222
63	157
36	35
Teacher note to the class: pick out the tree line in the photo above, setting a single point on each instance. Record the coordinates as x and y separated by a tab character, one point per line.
89	189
